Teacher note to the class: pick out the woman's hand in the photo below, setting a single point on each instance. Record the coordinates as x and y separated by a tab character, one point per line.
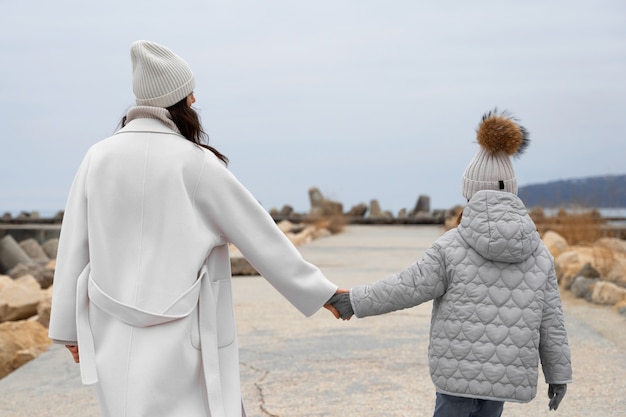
340	304
331	307
74	351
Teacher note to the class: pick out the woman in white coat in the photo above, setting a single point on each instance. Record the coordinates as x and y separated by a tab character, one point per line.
142	288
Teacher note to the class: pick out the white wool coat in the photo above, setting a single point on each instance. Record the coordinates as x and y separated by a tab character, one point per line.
143	280
496	311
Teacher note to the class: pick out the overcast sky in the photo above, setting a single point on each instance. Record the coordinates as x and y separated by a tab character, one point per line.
362	99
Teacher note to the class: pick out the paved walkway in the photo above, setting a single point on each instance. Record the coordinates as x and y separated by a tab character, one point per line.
293	366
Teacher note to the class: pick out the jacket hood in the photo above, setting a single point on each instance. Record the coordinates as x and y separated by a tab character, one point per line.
496	224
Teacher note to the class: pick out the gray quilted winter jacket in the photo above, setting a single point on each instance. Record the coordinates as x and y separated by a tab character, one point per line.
496	310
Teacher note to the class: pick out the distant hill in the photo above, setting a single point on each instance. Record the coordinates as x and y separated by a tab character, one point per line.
596	192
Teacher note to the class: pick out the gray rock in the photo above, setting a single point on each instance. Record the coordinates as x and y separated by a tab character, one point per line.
358	211
34	250
19	298
286	211
43	312
50	247
421	206
582	287
423	217
375	210
20	342
440	215
322	207
41	273
588	271
11	253
607	293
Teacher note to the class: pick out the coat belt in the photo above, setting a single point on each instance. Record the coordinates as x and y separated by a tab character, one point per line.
88	292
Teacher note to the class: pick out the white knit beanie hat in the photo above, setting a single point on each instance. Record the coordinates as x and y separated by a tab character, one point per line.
160	77
499	137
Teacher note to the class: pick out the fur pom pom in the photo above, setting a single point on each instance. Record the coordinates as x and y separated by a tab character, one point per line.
502	133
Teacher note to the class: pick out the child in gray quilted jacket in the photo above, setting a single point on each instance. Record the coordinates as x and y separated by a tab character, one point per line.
496	304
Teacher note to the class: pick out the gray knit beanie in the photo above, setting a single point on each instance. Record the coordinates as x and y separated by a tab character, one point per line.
160	77
499	137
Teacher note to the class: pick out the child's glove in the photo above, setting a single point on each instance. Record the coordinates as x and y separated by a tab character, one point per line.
556	392
342	303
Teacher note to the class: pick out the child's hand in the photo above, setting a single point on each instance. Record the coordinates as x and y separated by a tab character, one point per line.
556	392
341	302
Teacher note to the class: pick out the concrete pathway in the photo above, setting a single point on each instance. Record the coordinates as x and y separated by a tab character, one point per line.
293	366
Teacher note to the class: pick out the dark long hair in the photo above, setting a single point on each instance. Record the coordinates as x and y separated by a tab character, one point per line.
188	122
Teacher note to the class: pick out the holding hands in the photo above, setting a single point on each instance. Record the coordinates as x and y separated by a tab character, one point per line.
339	304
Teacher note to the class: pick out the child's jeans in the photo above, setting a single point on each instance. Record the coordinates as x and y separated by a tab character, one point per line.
453	406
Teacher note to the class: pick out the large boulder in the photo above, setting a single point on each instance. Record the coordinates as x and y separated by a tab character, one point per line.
302	233
611	255
51	247
321	206
286	226
616	246
555	243
44	307
43	273
569	263
11	253
286	211
607	256
421	206
425	217
19	298
583	283
20	342
375	210
607	293
34	250
617	273
302	236
606	252
377	214
588	271
358	211
621	307
582	287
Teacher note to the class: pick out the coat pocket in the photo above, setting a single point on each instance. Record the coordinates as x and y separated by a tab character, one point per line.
224	315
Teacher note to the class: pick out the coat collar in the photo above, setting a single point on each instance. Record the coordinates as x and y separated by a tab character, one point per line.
147	125
151	112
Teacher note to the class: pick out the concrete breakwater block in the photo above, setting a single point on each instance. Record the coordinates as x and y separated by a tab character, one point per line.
11	253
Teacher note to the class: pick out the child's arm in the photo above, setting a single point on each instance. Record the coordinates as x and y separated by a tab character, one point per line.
553	344
420	282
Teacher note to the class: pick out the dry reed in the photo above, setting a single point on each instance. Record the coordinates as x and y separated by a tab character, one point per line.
578	226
